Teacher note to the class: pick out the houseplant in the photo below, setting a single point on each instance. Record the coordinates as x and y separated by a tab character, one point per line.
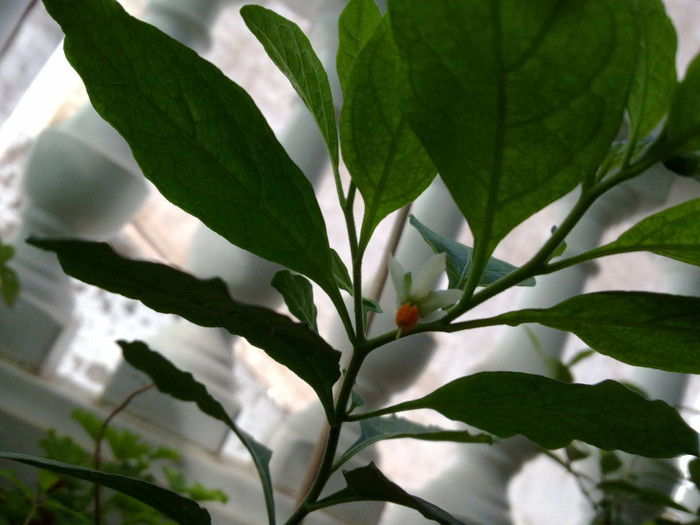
514	104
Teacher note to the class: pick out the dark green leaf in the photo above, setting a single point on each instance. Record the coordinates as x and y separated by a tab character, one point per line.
683	125
638	328
654	79
685	165
609	462
384	157
6	252
196	135
174	506
515	102
206	303
183	386
340	273
641	494
356	24
369	484
9	285
575	452
298	295
291	51
557	370
673	232
552	414
392	427
459	259
694	471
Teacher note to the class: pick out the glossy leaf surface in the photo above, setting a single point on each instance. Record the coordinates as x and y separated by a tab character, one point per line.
196	135
515	102
291	51
638	328
459	259
384	157
178	508
356	24
184	387
298	295
369	484
381	428
552	414
206	303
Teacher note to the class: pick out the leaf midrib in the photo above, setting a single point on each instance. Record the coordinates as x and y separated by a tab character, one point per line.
272	219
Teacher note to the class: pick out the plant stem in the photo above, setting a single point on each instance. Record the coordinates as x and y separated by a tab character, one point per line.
97	456
325	466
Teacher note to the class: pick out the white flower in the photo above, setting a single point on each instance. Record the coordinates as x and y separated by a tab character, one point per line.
417	299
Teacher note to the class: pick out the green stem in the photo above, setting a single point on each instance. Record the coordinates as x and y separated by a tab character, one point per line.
325	468
339	185
356	253
32	511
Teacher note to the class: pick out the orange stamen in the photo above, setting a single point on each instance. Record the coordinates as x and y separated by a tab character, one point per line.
406	317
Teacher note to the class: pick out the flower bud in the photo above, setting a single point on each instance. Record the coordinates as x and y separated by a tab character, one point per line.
406	317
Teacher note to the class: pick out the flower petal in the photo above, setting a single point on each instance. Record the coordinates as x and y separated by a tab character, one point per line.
397	274
427	275
437	300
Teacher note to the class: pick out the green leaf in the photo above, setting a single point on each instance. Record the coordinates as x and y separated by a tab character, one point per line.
694	471
685	165
174	506
552	413
576	452
6	252
291	51
673	232
369	484
609	462
381	428
370	305
206	303
298	295
655	76
618	154
384	157
64	448
88	421
683	124
638	328
183	386
622	488
356	401
515	102
459	259
356	24
9	285
340	273
196	135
